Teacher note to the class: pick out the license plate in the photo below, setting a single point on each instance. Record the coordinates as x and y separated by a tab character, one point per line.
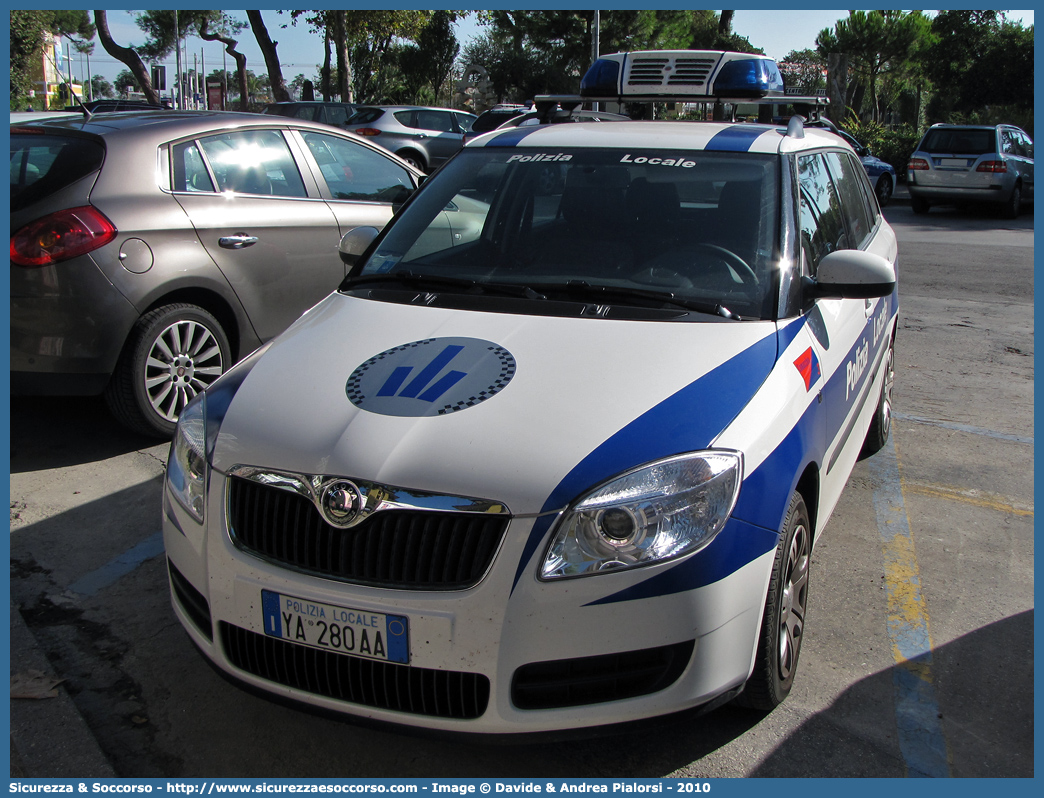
953	162
360	633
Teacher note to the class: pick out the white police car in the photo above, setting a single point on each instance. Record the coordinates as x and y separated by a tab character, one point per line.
556	452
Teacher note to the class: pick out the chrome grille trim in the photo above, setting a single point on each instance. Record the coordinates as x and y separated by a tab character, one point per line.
441	548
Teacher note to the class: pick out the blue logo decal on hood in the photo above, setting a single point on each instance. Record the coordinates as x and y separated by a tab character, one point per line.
433	377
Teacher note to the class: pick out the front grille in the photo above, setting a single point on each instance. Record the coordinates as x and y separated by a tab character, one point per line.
383	685
691	72
595	680
192	601
647	71
407	549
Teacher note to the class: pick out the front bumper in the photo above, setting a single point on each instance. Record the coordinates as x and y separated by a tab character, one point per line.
506	656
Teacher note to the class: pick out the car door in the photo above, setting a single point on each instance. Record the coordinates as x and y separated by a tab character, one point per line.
1023	152
261	220
443	136
829	199
362	186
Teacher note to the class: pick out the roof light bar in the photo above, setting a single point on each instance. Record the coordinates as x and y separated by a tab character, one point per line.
684	74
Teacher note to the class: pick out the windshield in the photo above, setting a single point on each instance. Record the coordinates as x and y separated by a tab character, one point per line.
647	228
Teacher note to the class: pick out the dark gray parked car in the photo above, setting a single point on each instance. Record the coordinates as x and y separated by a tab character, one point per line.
425	137
956	164
150	252
329	113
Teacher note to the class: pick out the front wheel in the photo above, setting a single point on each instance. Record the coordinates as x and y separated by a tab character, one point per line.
783	624
173	353
881	423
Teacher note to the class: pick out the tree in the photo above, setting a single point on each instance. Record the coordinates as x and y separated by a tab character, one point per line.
27	41
127	55
268	50
978	59
125	82
804	69
430	61
875	41
226	28
100	87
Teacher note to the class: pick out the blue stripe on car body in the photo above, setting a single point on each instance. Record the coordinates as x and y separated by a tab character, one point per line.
738	138
753	528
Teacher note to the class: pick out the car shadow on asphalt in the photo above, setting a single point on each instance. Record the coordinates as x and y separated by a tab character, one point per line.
57	432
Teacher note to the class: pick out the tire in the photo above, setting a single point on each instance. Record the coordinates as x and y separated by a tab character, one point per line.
172	354
883	189
918	205
413	160
1013	207
881	423
783	624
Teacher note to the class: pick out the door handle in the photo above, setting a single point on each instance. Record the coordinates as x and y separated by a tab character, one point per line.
238	241
420	135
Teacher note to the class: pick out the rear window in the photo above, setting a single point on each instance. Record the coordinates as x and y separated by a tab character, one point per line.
365	116
494	119
965	141
42	165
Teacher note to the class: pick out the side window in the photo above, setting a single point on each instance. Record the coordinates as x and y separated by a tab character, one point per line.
190	173
1027	144
336	115
1008	146
464	122
309	112
440	121
407	118
354	172
849	177
253	162
822	224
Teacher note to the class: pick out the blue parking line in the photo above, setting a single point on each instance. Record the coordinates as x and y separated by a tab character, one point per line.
118	567
921	739
1003	436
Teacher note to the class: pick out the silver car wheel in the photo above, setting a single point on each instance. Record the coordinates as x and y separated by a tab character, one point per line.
183	360
793	599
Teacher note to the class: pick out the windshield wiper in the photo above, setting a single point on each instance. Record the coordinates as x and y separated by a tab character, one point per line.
437	281
612	293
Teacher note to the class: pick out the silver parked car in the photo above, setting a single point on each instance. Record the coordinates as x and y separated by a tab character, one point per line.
972	163
424	137
151	251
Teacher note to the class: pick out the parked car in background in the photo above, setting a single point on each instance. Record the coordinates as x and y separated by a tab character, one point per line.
423	137
146	283
496	116
329	113
115	105
881	173
972	163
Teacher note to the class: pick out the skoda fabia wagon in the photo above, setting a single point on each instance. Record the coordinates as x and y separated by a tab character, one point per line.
560	461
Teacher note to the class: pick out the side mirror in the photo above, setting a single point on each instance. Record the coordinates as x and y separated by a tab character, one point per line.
852	274
354	243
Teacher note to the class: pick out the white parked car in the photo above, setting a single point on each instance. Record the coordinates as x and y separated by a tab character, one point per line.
568	469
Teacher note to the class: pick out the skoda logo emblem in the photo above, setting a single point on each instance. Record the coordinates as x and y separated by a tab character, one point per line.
340	503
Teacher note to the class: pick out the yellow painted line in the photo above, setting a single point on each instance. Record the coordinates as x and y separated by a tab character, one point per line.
974	497
920	734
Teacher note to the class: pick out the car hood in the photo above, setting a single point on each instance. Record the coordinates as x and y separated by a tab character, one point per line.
528	411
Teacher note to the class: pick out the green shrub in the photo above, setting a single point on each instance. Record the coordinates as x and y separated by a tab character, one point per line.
892	145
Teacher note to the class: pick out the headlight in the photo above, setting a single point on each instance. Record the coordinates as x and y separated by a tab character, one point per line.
187	463
654	513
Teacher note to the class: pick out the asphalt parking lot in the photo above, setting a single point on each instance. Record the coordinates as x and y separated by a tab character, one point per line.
919	654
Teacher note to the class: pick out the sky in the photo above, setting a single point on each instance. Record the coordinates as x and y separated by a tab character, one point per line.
777	32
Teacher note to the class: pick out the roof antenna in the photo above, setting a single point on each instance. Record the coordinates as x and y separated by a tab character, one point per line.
796	127
86	111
